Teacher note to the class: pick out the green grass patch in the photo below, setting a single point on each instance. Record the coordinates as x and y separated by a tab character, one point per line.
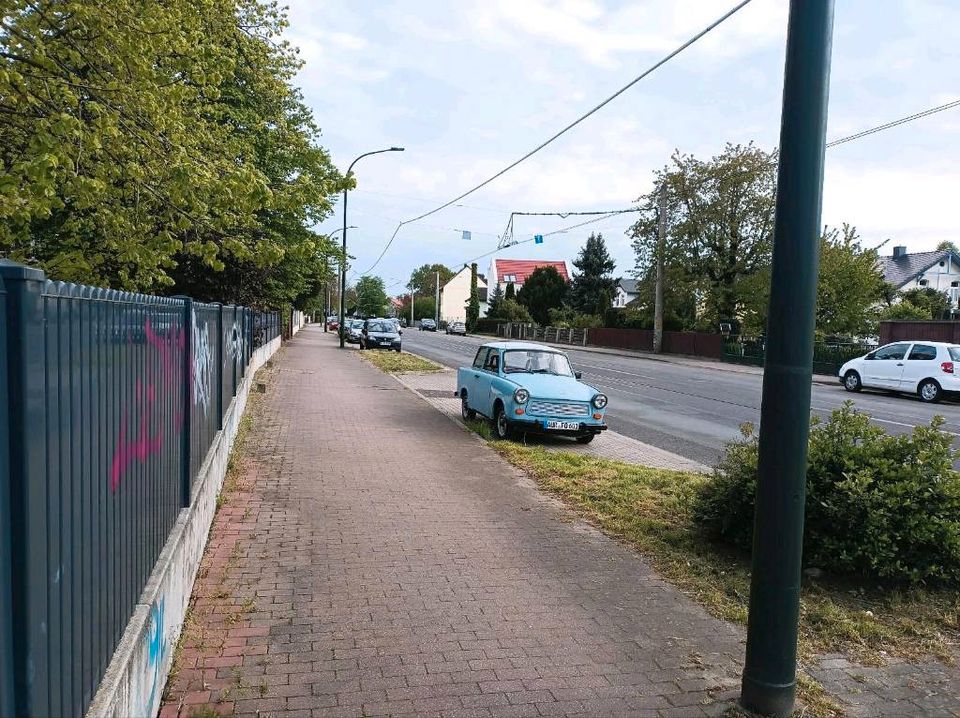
399	362
651	509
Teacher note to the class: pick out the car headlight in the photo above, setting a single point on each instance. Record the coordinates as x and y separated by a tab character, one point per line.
521	396
599	401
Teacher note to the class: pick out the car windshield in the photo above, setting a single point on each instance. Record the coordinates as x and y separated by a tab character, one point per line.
533	361
380	327
954	353
357	324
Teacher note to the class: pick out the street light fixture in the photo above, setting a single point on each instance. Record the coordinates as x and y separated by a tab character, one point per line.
343	260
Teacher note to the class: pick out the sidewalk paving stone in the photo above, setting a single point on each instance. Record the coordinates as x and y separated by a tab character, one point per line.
372	560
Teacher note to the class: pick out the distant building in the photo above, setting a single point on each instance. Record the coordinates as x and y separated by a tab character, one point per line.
626	293
939	270
455	294
516	271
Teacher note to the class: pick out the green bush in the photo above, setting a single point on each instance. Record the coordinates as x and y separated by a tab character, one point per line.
877	505
569	318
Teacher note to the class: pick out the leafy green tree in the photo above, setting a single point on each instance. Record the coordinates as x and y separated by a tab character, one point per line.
543	290
141	136
719	226
493	304
473	304
511	292
948	245
935	304
850	285
423	280
371	296
593	287
512	311
905	311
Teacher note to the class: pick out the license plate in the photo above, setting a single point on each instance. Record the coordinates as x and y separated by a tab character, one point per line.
386	343
561	425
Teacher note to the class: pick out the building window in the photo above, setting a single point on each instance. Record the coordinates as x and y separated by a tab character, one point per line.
923	282
943	264
955	284
510	278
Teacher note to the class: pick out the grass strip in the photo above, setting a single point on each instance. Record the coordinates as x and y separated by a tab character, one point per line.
399	362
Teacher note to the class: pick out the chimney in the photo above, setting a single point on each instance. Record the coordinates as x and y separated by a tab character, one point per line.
900	251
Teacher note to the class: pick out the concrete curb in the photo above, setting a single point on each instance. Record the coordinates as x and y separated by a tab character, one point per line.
134	681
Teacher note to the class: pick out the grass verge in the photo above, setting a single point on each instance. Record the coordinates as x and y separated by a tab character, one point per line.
399	362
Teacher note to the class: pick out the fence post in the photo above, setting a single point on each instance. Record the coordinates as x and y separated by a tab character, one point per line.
186	400
6	547
24	496
221	343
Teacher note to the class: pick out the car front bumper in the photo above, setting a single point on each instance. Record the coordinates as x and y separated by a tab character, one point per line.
389	347
537	426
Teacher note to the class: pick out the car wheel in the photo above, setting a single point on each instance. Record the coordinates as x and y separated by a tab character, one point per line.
851	381
929	391
362	346
466	413
397	350
500	425
585	439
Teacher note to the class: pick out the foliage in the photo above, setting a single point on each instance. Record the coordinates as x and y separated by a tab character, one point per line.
473	304
423	307
877	505
399	362
423	280
904	311
948	245
139	136
933	303
493	301
719	226
544	290
511	292
371	297
594	286
570	318
510	310
850	285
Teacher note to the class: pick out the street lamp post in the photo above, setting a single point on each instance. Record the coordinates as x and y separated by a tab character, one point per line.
343	260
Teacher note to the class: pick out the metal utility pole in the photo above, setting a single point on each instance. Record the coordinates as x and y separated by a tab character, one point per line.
436	302
411	309
769	675
343	260
658	293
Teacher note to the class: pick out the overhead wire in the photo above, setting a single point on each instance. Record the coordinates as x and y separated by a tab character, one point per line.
567	128
894	123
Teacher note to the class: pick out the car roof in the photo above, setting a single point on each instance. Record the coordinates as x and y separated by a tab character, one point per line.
922	341
522	345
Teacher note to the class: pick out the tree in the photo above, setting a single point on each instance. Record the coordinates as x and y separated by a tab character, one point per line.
593	287
423	280
905	311
511	292
934	303
473	304
850	285
156	136
512	311
493	305
948	245
719	226
371	296
543	290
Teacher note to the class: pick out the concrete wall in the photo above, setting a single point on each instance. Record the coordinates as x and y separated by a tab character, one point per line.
137	674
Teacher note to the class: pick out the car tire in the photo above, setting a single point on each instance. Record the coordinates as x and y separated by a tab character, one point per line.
852	382
466	413
361	345
585	439
397	350
501	428
929	391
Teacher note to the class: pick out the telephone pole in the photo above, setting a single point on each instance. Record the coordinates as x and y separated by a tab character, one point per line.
437	302
658	294
411	309
770	671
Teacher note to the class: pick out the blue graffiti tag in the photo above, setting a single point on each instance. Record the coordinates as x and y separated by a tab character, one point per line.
154	652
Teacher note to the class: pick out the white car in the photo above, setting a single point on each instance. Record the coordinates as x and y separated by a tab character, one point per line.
927	369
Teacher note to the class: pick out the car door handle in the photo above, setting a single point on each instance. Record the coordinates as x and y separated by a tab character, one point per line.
476	376
899	363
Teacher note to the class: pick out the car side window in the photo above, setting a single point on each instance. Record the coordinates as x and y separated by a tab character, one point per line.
894	351
480	358
493	361
922	352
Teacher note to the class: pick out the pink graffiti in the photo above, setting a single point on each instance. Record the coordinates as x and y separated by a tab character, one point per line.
163	378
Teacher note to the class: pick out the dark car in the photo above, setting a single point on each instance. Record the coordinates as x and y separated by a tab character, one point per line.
380	334
457	328
428	325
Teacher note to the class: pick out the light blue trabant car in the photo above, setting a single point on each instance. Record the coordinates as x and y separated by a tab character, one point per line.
529	388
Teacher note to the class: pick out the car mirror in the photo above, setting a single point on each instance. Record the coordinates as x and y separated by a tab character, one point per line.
578	374
399	331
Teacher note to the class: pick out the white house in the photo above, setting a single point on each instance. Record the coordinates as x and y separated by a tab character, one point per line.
626	293
516	271
939	270
455	294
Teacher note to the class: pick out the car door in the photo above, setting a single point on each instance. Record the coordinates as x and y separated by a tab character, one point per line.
921	363
491	370
471	377
886	367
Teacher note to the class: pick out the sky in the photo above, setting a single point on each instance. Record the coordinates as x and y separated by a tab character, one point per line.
469	86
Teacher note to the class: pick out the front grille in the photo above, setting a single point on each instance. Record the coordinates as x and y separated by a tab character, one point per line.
557	408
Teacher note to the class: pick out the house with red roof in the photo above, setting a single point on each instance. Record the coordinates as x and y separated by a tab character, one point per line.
516	271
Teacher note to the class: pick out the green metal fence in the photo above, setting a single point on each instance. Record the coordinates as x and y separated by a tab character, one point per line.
110	401
827	358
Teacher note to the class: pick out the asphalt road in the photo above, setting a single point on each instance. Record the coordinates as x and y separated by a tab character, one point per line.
692	411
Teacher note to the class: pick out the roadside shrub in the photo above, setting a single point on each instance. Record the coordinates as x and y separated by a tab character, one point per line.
569	318
877	505
510	310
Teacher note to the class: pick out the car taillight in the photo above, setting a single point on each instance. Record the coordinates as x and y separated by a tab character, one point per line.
947	367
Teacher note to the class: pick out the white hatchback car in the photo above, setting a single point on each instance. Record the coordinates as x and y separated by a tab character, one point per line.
927	369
